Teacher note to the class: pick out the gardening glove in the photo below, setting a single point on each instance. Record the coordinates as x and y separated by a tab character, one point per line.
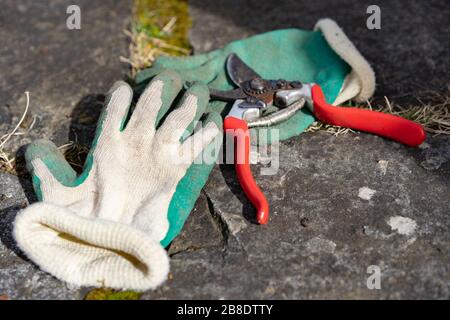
104	227
324	56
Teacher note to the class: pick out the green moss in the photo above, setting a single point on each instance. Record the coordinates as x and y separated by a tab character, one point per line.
109	294
151	16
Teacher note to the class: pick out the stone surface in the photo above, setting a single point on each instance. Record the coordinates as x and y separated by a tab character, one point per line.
67	73
323	235
409	52
19	277
319	180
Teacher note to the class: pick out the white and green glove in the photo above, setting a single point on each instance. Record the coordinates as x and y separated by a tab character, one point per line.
105	227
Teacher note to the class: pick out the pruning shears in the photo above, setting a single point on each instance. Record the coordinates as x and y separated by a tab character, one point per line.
253	97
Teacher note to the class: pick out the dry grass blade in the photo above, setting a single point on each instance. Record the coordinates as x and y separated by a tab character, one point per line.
75	154
144	49
159	28
6	162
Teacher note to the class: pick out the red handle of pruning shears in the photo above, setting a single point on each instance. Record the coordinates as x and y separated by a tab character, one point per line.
382	124
239	129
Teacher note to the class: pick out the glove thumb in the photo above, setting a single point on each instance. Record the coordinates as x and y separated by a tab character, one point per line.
51	165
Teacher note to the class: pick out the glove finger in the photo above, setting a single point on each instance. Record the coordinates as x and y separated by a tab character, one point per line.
181	121
48	167
189	187
200	140
118	102
155	102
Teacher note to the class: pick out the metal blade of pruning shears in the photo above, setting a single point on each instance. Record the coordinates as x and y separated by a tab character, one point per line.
229	96
238	71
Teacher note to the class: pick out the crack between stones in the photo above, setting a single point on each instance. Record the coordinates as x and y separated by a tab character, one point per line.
218	220
188	249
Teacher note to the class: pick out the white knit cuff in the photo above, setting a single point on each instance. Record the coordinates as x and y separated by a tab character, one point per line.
90	252
360	83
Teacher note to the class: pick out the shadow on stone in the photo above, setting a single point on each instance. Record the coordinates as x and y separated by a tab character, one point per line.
7	217
84	119
434	157
24	176
404	64
229	173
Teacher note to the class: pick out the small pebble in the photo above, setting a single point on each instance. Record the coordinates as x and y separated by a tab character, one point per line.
382	166
366	193
403	225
